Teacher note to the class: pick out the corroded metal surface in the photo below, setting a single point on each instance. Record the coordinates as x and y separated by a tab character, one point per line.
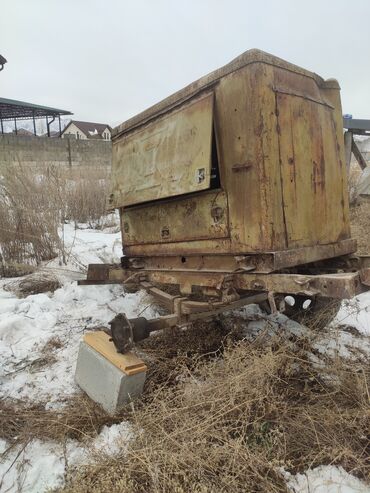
247	58
169	157
126	331
327	283
342	286
257	262
278	153
311	170
197	217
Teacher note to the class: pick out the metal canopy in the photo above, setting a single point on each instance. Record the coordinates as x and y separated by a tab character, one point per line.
356	126
11	109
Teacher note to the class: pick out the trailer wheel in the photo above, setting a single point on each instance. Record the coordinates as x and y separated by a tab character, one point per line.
317	311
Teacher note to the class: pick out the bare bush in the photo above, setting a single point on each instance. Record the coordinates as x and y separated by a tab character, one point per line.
80	192
36	201
29	218
86	191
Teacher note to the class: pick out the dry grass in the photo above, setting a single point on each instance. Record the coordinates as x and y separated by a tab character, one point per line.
79	419
38	282
360	226
13	269
219	414
29	218
231	419
86	191
36	201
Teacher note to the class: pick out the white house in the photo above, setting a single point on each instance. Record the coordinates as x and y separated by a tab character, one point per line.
87	130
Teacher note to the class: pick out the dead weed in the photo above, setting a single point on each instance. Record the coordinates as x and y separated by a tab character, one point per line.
80	418
229	423
38	282
360	226
219	414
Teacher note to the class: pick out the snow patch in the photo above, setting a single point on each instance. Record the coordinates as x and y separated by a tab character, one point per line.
356	313
336	341
34	469
325	479
28	324
112	439
41	466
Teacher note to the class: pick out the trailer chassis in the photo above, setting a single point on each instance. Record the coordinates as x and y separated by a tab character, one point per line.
233	284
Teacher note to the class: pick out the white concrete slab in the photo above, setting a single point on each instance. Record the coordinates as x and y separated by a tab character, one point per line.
103	382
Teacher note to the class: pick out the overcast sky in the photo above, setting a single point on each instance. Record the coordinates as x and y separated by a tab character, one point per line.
107	60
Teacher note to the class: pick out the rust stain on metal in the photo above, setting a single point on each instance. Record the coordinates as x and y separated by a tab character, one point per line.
169	157
242	166
185	219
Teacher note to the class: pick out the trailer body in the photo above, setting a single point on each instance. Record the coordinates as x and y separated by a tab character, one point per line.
234	189
248	159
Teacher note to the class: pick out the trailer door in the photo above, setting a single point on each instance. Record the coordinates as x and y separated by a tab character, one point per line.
311	169
166	157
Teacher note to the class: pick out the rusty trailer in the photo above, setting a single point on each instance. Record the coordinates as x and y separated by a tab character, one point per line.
234	189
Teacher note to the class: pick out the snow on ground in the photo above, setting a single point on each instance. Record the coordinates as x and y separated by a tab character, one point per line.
41	466
86	246
259	322
325	479
356	313
349	332
60	319
27	325
343	342
30	371
36	468
38	374
339	339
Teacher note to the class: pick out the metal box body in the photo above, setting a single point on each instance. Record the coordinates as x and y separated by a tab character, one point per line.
248	159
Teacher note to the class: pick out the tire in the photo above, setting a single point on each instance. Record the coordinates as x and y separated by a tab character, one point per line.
318	314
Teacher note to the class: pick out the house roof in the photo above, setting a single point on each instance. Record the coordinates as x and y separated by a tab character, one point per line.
23	131
90	129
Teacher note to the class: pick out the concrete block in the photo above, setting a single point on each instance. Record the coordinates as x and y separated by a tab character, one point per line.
108	378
